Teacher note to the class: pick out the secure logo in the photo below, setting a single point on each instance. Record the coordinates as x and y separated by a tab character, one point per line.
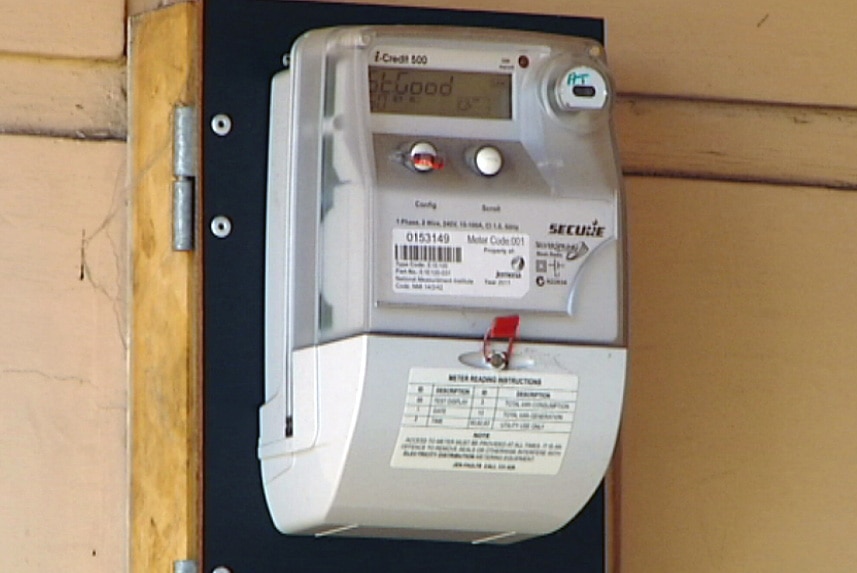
576	230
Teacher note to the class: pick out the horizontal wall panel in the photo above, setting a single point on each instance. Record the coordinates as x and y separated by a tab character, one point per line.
738	141
82	29
737	443
778	143
63	371
63	97
790	51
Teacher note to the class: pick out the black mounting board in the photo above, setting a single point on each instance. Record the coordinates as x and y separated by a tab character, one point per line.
243	46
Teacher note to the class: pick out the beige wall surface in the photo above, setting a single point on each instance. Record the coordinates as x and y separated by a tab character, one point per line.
92	29
738	435
63	399
63	283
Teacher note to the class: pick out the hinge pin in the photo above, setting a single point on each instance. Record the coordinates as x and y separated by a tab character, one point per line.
184	173
185	566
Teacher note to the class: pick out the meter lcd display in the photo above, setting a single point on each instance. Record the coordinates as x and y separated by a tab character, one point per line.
446	93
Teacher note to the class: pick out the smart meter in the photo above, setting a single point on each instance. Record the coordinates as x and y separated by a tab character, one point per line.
444	309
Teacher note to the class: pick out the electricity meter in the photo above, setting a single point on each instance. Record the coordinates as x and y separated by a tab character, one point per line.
445	275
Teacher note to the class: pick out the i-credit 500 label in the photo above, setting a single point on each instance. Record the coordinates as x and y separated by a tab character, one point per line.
460	263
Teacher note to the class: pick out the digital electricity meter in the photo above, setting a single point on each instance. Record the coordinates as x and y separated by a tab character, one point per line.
445	284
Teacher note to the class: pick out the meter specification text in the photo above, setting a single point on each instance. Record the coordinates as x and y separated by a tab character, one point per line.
460	263
485	421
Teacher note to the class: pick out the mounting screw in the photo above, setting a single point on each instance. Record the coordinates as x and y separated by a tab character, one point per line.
221	226
221	124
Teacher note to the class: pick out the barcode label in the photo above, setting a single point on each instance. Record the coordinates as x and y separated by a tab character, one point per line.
428	253
460	263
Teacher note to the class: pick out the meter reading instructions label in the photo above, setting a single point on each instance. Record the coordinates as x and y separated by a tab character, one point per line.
460	263
500	422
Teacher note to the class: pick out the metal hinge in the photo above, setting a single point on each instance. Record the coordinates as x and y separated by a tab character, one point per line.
185	566
185	161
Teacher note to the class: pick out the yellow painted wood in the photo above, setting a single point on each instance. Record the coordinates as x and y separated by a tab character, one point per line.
63	350
165	423
63	97
87	29
738	435
738	141
789	51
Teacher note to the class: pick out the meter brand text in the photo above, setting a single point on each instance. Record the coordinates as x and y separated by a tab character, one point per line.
575	230
413	59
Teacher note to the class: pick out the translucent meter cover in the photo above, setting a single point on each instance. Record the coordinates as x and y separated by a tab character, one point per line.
427	179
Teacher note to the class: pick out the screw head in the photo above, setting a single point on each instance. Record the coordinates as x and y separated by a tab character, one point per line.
497	360
221	124
221	227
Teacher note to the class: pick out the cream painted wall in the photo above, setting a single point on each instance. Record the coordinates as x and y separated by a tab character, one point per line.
63	381
63	287
737	446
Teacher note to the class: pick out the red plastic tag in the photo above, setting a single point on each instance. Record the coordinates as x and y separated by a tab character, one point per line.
503	328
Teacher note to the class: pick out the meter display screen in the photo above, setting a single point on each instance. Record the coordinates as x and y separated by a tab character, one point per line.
447	93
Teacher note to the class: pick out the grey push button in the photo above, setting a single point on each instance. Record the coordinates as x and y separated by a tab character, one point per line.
487	160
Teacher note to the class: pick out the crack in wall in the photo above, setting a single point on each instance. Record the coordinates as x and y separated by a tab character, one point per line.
116	294
46	375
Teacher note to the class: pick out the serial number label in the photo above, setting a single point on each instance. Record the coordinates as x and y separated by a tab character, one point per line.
461	263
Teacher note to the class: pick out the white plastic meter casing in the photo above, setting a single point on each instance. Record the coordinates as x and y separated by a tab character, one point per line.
426	185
